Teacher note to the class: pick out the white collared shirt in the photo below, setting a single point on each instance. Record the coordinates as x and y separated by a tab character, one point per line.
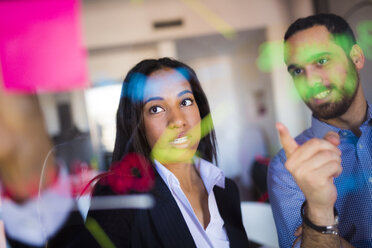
215	234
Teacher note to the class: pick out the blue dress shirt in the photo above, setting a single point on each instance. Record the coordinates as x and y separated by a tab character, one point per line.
354	186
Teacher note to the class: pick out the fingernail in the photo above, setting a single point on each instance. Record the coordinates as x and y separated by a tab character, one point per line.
278	126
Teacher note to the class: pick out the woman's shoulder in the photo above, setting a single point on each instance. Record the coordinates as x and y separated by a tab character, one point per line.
117	223
229	191
102	189
230	184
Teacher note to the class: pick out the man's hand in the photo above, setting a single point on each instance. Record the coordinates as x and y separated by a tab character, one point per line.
314	165
24	146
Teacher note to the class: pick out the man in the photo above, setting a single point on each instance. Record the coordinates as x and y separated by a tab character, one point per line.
329	165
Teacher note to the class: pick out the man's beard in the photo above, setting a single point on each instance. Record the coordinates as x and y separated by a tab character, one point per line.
330	110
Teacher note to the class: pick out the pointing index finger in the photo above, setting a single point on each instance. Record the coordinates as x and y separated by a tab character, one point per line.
288	143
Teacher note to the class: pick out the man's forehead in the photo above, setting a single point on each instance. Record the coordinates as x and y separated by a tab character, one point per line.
318	33
308	44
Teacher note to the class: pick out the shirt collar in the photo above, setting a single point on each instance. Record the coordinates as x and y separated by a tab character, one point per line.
320	128
165	174
369	113
210	174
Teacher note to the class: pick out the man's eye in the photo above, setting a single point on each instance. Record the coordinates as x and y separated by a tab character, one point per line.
156	109
297	71
322	61
186	102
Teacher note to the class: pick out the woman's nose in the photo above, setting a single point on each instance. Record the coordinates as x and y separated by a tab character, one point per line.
176	119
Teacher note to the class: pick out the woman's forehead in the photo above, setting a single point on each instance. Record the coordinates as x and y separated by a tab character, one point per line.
165	82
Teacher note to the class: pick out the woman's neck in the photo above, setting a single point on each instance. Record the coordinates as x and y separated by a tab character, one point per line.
186	173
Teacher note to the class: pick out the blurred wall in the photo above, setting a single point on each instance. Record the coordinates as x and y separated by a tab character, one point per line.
239	95
220	40
356	12
117	23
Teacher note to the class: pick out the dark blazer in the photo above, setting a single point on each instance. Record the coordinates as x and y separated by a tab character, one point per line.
164	225
161	226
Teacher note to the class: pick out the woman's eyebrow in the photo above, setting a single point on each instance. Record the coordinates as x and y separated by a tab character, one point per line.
184	92
156	98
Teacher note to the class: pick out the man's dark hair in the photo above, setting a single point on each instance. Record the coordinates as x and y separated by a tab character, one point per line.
336	25
130	130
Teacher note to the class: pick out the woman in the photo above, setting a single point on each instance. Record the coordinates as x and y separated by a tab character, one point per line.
164	116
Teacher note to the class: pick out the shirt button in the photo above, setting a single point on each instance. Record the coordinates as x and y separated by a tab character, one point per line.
344	133
360	146
370	179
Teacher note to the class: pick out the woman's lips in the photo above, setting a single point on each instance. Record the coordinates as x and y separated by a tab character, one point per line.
180	140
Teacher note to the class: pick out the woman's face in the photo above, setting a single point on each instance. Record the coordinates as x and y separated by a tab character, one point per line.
171	117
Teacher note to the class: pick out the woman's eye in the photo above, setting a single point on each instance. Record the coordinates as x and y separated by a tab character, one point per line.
186	102
156	109
322	61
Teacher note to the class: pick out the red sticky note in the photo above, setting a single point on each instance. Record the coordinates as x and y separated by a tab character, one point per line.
41	46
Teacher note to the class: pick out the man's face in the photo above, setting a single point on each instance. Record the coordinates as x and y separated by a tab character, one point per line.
325	77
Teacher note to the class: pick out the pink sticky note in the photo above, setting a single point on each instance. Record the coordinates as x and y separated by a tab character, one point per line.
41	46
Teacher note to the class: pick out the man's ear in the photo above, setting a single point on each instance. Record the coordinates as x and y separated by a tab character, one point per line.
357	56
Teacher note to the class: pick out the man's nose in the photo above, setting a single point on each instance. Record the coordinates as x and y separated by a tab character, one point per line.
313	76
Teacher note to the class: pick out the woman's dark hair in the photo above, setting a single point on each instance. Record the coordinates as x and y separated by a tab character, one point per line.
130	132
342	33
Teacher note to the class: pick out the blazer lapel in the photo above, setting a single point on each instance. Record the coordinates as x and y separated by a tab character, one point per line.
168	219
231	214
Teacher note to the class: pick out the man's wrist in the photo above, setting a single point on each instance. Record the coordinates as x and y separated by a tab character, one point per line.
312	238
30	186
321	216
330	227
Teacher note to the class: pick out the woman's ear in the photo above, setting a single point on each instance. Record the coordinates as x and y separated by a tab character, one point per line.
357	56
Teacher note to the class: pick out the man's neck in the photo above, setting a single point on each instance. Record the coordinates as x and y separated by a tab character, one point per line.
354	116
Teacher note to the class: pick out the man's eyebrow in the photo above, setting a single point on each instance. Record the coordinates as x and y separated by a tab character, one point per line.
318	55
310	59
156	98
291	67
184	92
